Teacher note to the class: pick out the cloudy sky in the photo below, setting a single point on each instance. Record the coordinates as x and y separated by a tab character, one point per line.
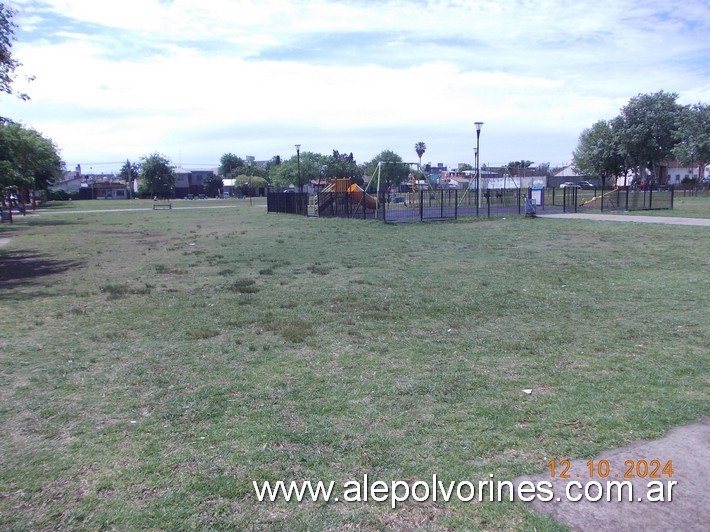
194	79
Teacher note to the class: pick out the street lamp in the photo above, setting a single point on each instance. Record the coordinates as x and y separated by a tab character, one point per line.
249	161
478	170
298	155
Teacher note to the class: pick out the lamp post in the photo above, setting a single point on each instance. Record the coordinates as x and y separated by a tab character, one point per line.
298	157
478	170
249	161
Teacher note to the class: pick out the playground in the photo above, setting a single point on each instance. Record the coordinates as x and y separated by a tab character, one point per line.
433	199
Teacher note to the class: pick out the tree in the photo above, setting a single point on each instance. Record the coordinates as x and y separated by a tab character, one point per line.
8	64
129	173
157	177
647	128
420	148
286	173
693	136
393	169
598	152
272	163
27	159
340	165
230	165
466	167
250	184
213	184
517	168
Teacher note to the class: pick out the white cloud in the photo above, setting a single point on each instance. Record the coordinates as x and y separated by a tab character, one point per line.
197	78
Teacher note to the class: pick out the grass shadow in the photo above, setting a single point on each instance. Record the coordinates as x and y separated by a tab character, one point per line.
23	268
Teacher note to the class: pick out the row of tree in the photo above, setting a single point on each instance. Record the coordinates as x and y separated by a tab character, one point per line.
650	129
157	177
27	159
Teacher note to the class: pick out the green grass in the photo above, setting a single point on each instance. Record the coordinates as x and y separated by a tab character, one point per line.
154	363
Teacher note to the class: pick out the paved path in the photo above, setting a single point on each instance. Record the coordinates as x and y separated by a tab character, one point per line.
135	209
689	509
671	220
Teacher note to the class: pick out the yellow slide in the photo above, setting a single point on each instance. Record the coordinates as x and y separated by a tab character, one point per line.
358	195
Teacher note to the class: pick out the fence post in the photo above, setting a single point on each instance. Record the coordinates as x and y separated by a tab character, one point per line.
627	198
650	199
421	205
456	204
672	193
564	200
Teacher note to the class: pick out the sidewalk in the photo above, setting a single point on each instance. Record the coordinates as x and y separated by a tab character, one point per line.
670	220
689	449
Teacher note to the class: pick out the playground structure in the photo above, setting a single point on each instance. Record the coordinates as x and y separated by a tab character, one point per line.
610	197
343	196
624	198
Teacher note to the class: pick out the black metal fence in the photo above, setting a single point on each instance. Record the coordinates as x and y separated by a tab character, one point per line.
287	202
423	205
449	204
618	199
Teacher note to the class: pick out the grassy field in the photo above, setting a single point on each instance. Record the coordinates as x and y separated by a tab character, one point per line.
154	363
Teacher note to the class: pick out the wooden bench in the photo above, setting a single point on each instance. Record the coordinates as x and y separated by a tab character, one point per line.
160	206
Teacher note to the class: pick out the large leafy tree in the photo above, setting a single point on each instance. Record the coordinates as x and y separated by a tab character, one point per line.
129	173
693	136
8	63
27	159
393	169
598	152
646	129
340	165
157	177
213	184
286	173
230	165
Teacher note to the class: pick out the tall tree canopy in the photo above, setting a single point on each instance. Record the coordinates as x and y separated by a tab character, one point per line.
27	159
693	136
8	63
420	148
340	165
213	184
157	177
129	173
230	165
286	173
598	152
646	129
650	129
393	169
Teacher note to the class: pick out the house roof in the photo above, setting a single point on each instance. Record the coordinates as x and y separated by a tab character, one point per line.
568	171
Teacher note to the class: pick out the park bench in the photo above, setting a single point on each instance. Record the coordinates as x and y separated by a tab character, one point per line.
160	206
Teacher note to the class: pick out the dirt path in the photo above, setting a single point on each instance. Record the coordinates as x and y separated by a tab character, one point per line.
689	508
670	220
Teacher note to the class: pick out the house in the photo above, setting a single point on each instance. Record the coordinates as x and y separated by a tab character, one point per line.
107	190
190	181
675	173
